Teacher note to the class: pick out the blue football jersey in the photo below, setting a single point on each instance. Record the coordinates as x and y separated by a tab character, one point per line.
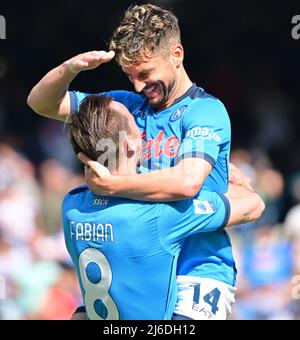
196	125
125	252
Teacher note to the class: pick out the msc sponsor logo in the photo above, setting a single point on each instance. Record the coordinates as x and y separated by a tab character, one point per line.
203	133
178	113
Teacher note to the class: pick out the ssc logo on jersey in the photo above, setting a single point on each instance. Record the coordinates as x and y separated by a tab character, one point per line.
100	202
178	113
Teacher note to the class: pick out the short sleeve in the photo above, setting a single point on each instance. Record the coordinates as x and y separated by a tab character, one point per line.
206	127
75	99
178	220
129	99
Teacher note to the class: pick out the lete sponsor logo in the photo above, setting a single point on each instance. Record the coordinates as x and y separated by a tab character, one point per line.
159	146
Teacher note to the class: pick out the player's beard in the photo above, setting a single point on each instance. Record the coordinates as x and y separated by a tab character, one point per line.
166	91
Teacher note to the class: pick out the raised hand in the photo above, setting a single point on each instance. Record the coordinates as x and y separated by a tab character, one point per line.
89	60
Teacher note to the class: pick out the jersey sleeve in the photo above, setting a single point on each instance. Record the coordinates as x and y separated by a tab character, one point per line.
178	220
206	127
129	99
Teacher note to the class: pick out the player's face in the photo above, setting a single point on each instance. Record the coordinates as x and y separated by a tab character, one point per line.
135	134
155	78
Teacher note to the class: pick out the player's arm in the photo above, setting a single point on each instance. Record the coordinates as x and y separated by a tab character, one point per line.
245	205
180	182
205	135
50	95
211	211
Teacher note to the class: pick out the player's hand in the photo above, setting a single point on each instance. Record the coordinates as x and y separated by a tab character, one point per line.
96	175
236	177
89	60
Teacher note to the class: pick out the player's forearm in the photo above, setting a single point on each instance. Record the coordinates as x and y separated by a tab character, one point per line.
49	97
246	207
46	97
153	187
171	184
237	191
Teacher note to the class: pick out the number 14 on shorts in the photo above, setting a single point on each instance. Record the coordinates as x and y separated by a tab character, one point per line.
212	299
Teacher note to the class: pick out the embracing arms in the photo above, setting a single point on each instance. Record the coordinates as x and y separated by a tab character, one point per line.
172	184
50	98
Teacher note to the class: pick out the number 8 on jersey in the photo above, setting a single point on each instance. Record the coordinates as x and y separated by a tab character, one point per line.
96	277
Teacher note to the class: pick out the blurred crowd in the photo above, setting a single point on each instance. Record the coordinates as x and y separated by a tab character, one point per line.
40	280
267	252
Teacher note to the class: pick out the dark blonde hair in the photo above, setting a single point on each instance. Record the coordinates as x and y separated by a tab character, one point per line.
144	31
95	122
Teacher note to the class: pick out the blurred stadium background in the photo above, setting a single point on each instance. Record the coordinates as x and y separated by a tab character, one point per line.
242	53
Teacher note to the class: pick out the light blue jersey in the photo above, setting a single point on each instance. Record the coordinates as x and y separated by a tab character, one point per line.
125	252
196	125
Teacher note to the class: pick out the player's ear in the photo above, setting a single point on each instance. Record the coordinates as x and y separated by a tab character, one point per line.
129	146
177	54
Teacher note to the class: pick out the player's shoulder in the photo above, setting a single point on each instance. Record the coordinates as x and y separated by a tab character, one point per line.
121	94
75	194
205	107
203	100
128	98
78	190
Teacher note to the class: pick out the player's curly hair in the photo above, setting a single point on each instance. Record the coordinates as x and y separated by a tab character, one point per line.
143	32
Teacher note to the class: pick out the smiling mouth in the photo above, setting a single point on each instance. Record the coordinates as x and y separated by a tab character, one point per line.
150	90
